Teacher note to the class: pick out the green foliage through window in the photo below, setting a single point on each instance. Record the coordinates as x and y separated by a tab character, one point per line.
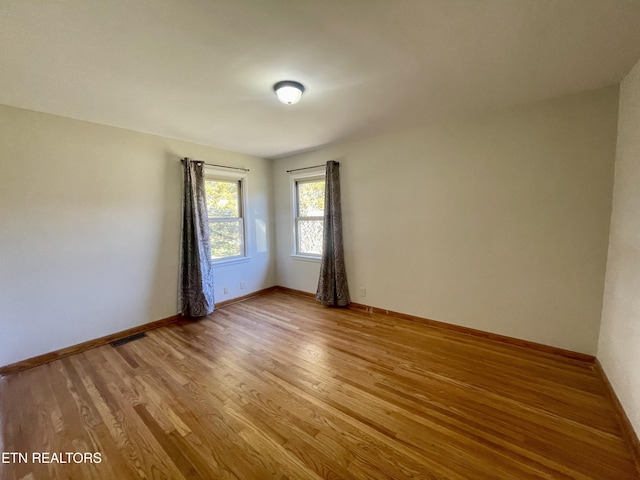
309	216
311	198
226	229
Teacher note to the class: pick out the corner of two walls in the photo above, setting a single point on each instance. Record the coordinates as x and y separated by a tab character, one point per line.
499	223
90	230
619	344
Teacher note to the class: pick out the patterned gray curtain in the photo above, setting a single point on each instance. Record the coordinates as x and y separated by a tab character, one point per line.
332	285
196	273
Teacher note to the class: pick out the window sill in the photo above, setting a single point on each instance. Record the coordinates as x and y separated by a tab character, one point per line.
306	258
231	261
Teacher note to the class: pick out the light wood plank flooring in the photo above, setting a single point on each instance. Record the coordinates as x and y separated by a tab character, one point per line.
278	387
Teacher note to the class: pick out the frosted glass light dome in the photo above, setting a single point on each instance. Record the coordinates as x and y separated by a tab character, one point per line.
288	91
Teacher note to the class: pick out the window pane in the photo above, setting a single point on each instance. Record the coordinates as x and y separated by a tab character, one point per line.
226	238
310	236
222	198
311	198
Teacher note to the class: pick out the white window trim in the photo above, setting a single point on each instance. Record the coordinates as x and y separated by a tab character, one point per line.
212	173
294	178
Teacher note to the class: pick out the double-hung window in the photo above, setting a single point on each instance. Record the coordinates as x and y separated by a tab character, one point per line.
308	210
226	216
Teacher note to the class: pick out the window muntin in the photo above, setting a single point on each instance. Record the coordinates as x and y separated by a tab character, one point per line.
226	222
309	216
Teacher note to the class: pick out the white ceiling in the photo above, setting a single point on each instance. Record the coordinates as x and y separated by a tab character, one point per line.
203	70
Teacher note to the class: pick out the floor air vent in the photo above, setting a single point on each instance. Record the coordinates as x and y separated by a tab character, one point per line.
128	339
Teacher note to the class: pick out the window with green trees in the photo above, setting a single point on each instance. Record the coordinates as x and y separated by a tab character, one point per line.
226	223
309	216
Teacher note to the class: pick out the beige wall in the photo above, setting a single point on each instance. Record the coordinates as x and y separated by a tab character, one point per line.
499	224
619	347
90	229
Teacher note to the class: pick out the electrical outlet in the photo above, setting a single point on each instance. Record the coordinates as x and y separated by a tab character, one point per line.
363	292
242	285
226	290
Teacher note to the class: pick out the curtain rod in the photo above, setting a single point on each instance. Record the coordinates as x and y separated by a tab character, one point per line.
305	168
215	165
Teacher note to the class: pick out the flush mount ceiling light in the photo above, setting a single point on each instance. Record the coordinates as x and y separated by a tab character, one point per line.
288	91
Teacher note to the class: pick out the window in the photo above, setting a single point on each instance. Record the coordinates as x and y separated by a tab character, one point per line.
308	215
226	222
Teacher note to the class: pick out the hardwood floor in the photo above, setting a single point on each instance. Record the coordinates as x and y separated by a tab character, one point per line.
278	387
